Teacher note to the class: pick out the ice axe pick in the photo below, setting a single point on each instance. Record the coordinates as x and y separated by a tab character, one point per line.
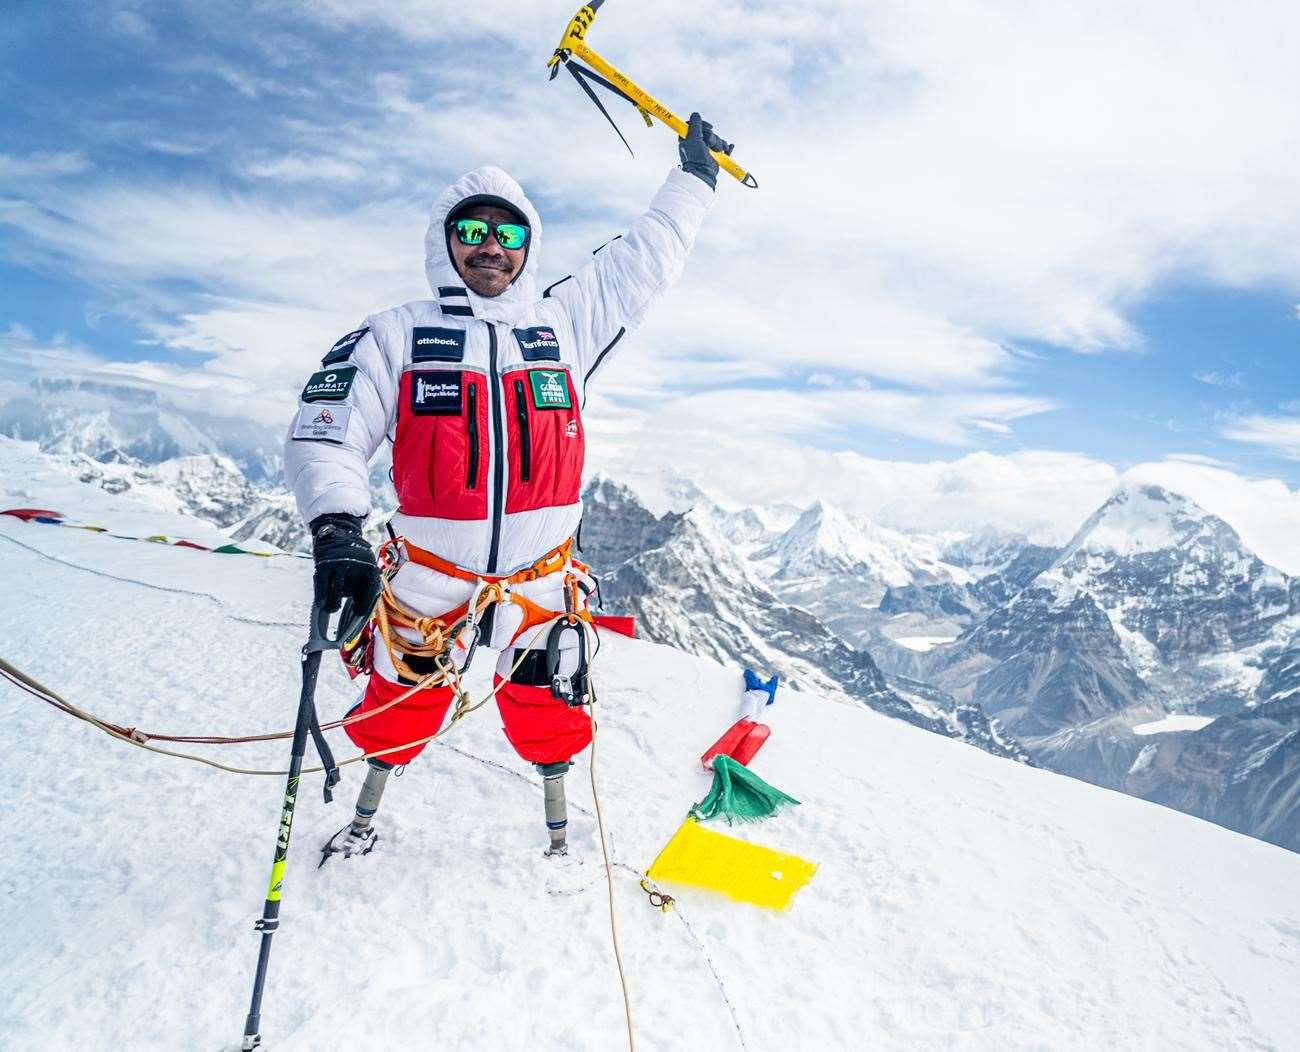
573	46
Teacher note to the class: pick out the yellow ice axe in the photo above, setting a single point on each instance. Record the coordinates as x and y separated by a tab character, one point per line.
573	45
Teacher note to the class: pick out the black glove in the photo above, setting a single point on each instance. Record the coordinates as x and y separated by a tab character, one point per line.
694	151
345	563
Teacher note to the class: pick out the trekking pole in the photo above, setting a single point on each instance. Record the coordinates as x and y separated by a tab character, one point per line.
318	641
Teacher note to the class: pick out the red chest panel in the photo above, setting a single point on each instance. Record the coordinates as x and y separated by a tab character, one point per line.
547	443
440	452
443	447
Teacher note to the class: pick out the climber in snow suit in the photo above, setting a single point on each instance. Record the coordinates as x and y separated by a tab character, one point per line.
480	390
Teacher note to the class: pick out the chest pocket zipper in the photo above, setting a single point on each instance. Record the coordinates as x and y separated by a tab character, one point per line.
471	429
525	438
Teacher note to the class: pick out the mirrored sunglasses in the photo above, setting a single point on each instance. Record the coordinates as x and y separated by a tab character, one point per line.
475	232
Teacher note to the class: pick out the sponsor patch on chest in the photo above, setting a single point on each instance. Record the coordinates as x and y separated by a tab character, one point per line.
437	393
538	344
550	389
322	423
342	350
437	345
329	385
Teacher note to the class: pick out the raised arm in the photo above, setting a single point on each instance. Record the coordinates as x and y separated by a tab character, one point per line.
609	296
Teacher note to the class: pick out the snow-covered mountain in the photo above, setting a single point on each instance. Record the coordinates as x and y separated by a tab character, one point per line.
961	901
840	568
1060	663
121	438
998	565
118	423
1169	570
207	486
1154	607
690	588
826	544
1242	771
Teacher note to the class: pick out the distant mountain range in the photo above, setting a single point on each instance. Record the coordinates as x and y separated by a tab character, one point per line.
115	423
1070	658
690	588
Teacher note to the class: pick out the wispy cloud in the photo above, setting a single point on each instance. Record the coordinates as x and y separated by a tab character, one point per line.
1198	458
238	78
1215	378
42	165
1280	434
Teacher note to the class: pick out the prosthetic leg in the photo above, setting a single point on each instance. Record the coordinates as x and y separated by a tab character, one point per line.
543	716
358	837
557	808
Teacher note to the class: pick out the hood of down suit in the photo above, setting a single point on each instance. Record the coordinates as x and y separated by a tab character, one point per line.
438	267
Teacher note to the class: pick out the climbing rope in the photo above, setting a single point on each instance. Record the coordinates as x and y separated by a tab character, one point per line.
604	850
141	740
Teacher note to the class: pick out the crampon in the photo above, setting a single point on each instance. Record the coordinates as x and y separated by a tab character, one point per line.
348	842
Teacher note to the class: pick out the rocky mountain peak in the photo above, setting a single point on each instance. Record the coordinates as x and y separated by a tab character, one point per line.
828	541
1170	570
1143	518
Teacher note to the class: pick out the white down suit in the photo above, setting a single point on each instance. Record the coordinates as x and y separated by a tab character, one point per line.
482	399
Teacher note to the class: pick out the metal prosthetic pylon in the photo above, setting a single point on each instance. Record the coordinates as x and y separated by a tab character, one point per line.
359	837
557	808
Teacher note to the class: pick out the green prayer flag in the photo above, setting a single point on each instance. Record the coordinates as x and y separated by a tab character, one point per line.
739	795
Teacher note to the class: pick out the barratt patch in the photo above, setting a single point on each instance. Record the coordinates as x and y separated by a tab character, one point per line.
322	423
437	345
330	385
538	344
342	350
550	389
436	393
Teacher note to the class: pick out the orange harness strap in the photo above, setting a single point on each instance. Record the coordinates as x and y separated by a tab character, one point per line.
552	562
439	634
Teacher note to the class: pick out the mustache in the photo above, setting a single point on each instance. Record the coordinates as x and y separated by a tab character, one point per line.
484	259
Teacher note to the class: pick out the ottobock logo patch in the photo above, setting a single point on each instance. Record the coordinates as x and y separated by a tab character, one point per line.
322	423
329	385
539	344
550	389
342	350
437	345
435	393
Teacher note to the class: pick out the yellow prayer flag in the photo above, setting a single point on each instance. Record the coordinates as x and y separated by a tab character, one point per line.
736	868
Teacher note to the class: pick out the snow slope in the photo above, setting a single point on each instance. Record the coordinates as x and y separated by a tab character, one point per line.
962	901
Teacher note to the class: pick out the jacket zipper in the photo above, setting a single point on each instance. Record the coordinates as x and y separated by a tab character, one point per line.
471	426
525	439
498	451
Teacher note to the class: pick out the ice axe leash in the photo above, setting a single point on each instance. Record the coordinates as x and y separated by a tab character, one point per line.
319	640
573	46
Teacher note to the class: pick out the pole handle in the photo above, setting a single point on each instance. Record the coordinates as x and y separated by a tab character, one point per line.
352	620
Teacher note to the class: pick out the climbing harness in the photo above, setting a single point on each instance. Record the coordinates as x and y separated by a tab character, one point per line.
573	46
438	635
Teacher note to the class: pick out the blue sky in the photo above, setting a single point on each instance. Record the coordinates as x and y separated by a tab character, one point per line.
967	240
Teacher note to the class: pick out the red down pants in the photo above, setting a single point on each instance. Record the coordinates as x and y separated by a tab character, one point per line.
540	726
